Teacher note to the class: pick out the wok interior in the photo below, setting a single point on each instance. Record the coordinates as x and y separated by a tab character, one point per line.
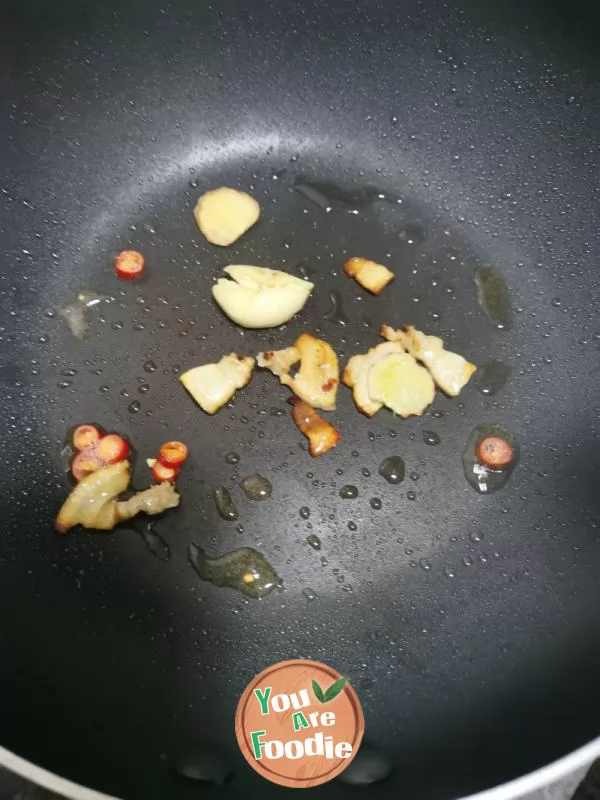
466	623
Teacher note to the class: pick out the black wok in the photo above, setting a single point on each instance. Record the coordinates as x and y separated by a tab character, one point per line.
468	624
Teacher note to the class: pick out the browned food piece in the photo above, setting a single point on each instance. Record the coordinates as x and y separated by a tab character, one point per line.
321	435
372	276
494	452
317	380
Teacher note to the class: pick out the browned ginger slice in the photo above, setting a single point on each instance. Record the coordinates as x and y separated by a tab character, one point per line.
372	276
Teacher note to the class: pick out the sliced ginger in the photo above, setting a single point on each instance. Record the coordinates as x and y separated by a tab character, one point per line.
397	381
223	215
356	376
450	371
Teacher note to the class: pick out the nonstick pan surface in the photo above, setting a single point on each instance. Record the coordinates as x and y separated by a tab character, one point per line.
467	624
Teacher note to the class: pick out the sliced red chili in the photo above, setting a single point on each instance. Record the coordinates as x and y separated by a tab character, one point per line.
112	448
173	454
494	452
84	436
129	265
162	474
86	462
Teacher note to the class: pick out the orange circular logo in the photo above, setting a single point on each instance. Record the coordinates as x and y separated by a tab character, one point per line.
299	723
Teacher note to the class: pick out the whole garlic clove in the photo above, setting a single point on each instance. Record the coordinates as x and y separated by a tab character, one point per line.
223	215
257	297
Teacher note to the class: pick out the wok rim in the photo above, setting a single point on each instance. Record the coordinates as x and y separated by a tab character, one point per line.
517	787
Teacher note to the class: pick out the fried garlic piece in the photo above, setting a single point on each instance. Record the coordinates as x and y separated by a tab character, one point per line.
213	385
372	276
450	371
322	436
223	215
356	375
93	502
317	380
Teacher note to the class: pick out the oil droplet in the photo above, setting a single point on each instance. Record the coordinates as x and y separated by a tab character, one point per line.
232	458
411	495
256	487
244	569
74	312
305	271
352	526
366	472
491	377
154	542
392	469
224	503
329	195
425	564
412	233
448	572
493	297
375	503
337	313
482	478
150	366
349	492
314	541
304	512
476	537
309	594
430	437
134	407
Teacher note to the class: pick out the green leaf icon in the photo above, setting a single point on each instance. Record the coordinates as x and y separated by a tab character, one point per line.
318	692
334	690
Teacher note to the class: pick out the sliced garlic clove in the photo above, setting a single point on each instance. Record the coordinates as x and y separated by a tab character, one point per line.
223	215
213	385
258	297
